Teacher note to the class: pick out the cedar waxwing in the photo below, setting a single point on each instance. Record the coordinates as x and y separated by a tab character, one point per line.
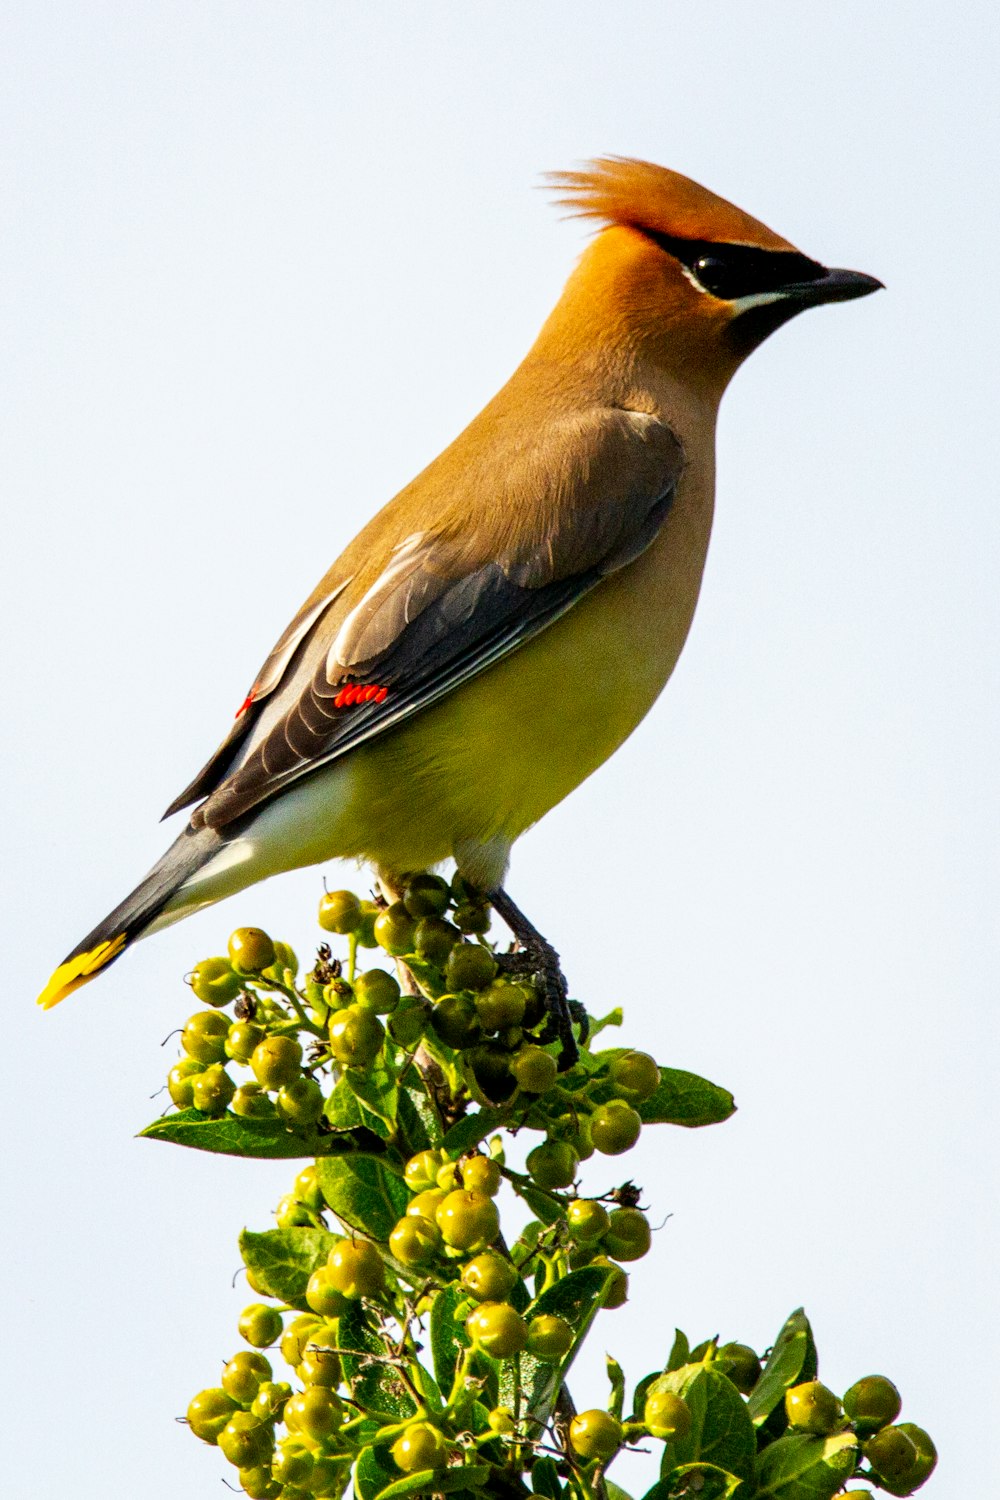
504	623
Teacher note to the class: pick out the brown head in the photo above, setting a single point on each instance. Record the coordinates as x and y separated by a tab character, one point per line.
680	275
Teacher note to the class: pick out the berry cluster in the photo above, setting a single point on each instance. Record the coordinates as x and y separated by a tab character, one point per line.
421	1352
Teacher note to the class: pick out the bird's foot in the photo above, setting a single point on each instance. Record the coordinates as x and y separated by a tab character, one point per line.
535	956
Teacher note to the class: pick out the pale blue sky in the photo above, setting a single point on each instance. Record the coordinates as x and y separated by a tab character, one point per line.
259	262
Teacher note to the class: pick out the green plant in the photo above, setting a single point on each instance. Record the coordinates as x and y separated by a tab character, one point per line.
423	1352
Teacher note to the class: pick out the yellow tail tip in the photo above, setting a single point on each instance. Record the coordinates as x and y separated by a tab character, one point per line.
76	971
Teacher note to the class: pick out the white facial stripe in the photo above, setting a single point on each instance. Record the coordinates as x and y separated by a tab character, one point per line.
756	299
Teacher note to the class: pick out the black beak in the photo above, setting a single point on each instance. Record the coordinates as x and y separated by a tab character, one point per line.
832	286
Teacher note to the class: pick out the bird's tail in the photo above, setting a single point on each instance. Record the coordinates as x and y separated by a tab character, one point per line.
134	915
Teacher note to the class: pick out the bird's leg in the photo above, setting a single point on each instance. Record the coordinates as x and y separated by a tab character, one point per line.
538	957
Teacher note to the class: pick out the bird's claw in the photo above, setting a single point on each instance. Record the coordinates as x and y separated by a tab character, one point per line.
539	961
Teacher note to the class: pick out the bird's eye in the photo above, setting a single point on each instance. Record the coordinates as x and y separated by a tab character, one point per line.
714	275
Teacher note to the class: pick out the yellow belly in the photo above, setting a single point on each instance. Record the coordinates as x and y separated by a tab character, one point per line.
486	763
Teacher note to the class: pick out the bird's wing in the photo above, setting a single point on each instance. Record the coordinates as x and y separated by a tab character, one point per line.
536	530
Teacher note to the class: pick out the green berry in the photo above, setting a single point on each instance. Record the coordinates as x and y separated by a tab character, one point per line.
315	1412
212	1090
244	1441
285	961
491	1070
871	1403
356	1037
455	1020
488	1277
364	933
258	1484
535	1069
634	1075
628	1236
666	1415
812	1407
307	1188
204	1036
291	1214
298	1335
434	939
472	917
209	1412
481	1174
415	1241
252	1103
740	1364
340	912
470	966
276	1060
427	896
320	1364
408	1024
241	1039
595	1434
244	1375
501	1006
553	1164
251	950
499	1328
614	1127
426	1204
324	1295
214	981
616	1293
395	929
260	1325
549	1337
377	990
420	1172
468	1220
180	1080
420	1447
292	1464
926	1454
300	1102
893	1455
587	1220
356	1269
269	1402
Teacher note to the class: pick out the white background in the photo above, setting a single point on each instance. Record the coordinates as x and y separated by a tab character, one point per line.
260	261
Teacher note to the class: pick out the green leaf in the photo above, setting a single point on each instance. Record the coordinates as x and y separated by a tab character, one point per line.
616	1375
470	1130
685	1099
364	1192
800	1467
545	1478
541	1205
793	1358
373	1470
680	1349
343	1111
437	1482
577	1298
448	1336
615	1492
232	1135
418	1119
282	1260
374	1385
721	1431
375	1087
713	1483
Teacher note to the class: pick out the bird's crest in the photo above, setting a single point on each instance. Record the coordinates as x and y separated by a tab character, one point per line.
641	195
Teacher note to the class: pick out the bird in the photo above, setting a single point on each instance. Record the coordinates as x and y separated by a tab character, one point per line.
504	623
